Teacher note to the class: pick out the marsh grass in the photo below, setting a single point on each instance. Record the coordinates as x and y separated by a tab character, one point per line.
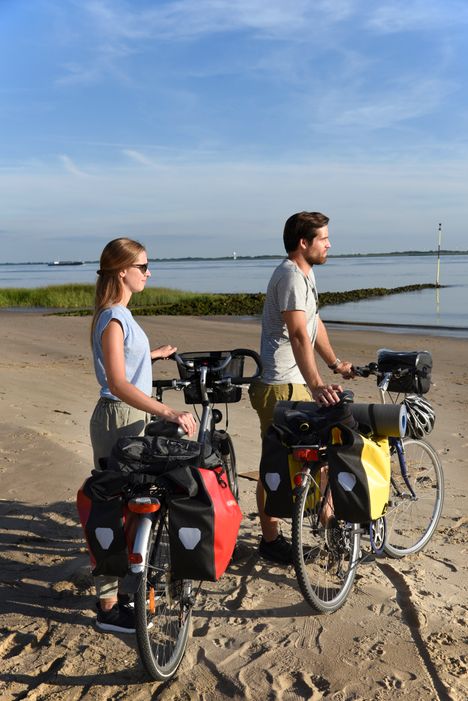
80	297
78	300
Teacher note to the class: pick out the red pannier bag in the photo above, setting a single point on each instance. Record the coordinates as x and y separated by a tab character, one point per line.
203	528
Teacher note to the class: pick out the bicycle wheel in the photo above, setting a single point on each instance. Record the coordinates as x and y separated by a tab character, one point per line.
228	459
325	559
412	519
163	608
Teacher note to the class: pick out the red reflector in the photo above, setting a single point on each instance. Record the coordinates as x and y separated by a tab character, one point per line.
135	558
306	454
298	479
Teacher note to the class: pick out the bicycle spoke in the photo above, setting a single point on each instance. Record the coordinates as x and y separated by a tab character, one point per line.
325	558
163	610
412	520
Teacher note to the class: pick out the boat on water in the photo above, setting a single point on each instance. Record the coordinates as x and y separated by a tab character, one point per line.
66	262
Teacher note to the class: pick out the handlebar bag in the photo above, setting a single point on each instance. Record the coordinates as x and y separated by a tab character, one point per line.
416	365
278	468
218	393
203	529
359	474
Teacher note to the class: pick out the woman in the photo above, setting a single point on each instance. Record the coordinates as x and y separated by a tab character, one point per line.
122	362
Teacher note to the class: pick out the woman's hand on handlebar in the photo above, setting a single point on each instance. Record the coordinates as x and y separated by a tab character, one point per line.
186	421
162	352
326	395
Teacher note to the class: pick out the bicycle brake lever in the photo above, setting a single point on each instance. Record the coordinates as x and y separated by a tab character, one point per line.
383	385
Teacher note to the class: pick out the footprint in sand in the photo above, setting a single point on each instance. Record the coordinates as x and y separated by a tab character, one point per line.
398	680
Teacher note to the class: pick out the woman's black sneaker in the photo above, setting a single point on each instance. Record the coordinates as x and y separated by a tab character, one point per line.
126	600
278	550
119	619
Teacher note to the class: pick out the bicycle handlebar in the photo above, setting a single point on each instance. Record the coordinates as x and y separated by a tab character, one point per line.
373	369
201	370
247	353
383	376
365	370
190	364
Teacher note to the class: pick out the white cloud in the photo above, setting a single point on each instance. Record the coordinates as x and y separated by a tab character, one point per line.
417	15
139	158
402	101
191	18
71	167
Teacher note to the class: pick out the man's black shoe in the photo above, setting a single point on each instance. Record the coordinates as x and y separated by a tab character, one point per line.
278	550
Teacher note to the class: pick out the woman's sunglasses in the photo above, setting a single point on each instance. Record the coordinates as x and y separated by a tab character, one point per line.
143	267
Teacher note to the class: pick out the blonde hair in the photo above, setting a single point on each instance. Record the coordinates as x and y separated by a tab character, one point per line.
117	255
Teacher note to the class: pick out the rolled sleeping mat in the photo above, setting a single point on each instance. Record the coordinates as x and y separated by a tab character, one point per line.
381	419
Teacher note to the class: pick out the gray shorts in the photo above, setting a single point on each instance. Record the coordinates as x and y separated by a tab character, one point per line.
110	421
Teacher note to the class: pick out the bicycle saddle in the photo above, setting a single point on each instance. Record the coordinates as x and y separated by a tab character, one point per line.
161	427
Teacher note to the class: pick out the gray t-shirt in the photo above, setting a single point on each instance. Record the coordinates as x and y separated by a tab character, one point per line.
288	290
136	350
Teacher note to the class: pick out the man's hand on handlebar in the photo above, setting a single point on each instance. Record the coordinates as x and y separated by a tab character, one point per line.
326	395
345	369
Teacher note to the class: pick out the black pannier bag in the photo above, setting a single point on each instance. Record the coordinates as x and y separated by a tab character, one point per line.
275	475
152	454
103	523
294	424
416	367
218	394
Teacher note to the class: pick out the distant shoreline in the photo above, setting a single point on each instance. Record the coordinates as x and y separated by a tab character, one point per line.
392	254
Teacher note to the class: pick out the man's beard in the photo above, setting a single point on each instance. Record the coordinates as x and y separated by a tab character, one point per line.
316	260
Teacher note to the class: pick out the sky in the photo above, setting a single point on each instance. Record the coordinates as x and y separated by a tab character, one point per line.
199	126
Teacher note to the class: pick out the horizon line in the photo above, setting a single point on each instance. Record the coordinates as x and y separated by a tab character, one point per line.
442	252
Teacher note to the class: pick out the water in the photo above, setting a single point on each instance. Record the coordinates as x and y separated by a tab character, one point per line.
436	311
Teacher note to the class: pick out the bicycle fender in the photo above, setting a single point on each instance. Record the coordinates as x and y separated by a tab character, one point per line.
140	545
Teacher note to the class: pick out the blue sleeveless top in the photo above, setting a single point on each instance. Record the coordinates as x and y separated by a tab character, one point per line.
136	349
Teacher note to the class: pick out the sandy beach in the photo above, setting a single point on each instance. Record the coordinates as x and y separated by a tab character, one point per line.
400	635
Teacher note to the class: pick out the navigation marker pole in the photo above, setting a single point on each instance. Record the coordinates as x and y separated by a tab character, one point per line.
438	273
438	257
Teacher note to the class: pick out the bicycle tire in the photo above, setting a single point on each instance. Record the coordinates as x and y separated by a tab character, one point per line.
412	521
228	459
325	559
163	608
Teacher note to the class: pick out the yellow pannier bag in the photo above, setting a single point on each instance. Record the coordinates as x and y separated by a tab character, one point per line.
359	474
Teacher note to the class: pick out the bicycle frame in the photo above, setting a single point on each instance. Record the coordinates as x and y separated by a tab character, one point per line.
395	443
398	445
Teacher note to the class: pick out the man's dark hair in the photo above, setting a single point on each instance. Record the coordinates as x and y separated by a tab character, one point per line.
302	225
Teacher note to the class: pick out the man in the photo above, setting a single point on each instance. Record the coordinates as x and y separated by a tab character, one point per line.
291	333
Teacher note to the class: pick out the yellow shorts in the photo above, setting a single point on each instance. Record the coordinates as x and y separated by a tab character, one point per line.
263	399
